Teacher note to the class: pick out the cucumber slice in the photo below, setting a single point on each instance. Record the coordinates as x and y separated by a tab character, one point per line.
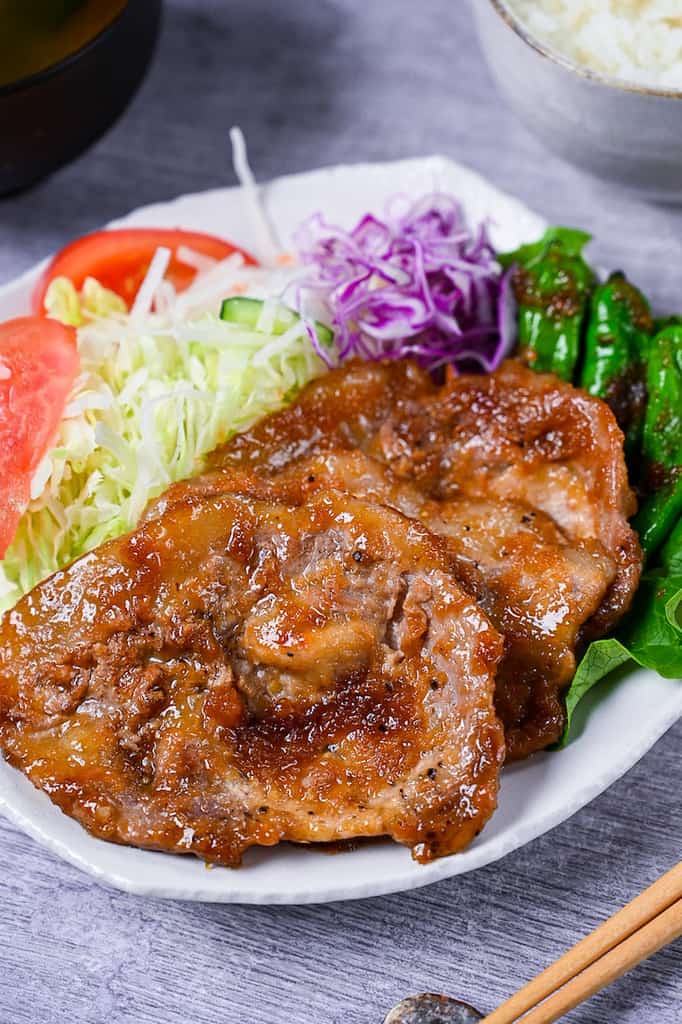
246	312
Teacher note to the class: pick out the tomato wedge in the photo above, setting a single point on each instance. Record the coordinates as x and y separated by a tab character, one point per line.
38	366
120	258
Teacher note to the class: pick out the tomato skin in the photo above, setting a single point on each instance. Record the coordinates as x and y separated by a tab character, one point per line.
39	363
120	258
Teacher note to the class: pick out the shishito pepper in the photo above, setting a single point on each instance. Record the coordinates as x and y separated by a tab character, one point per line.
662	441
616	343
552	284
658	514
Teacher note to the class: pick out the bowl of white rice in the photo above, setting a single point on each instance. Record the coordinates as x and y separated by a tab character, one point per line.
599	81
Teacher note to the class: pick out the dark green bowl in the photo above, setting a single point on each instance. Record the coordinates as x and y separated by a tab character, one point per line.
50	117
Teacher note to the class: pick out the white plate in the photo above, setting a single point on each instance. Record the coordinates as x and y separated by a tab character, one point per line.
537	795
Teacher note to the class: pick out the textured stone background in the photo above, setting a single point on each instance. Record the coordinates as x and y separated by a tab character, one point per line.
311	84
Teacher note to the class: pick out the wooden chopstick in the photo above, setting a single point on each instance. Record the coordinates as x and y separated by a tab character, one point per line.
649	922
641	945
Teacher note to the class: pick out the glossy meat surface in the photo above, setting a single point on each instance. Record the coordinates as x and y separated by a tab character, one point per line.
342	409
511	435
550	554
537	587
240	672
523	436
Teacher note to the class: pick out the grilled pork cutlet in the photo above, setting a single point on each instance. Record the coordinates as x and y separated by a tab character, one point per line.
530	479
238	672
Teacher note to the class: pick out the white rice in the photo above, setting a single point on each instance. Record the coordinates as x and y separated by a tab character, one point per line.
634	40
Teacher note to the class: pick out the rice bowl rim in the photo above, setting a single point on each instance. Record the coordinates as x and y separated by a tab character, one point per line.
518	26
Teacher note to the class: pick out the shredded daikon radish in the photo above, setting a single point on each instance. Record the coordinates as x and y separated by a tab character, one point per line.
268	249
191	258
153	278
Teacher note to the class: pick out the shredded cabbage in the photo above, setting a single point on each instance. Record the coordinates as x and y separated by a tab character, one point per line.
155	395
64	303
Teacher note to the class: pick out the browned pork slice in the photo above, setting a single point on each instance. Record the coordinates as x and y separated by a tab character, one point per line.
522	436
543	543
342	409
239	672
513	434
537	587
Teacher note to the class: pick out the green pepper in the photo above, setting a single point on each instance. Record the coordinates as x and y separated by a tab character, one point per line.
662	442
618	334
552	284
657	516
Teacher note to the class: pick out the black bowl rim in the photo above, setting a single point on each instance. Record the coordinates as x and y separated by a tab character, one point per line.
38	77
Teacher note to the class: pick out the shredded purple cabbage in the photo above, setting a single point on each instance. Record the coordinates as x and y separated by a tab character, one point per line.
418	283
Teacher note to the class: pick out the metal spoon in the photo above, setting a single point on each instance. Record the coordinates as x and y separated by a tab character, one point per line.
430	1009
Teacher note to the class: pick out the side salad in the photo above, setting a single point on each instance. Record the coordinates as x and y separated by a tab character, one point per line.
148	349
156	382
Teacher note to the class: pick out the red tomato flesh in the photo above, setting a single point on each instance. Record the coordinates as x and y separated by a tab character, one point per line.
38	366
119	259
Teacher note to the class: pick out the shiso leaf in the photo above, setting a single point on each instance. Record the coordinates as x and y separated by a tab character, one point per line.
650	634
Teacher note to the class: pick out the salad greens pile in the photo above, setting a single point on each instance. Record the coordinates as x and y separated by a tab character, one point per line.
153	398
603	338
